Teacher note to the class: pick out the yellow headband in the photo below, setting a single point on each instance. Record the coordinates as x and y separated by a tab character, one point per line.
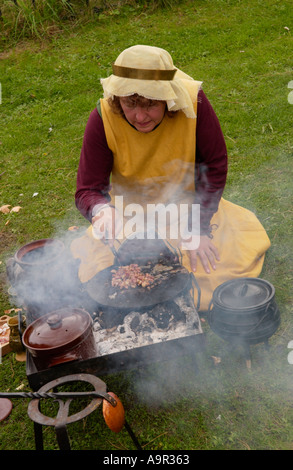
143	74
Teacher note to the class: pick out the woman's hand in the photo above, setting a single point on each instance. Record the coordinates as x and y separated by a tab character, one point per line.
206	252
106	225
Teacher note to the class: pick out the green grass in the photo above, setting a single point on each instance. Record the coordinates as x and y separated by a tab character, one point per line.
242	52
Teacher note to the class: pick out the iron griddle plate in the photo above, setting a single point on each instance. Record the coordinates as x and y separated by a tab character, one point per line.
165	288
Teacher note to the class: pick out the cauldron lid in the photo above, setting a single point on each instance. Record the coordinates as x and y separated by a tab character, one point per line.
243	293
56	329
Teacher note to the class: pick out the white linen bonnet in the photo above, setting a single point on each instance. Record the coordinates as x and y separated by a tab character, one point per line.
149	72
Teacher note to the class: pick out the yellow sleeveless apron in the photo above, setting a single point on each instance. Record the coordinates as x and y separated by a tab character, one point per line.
158	168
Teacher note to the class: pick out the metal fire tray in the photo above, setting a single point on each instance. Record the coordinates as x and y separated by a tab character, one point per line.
112	363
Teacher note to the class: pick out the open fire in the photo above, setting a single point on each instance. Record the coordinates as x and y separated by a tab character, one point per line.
140	327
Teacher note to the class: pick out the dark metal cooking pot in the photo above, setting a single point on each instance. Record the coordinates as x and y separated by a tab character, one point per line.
244	309
44	277
60	336
39	253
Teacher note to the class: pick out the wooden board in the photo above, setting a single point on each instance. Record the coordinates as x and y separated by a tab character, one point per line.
5	347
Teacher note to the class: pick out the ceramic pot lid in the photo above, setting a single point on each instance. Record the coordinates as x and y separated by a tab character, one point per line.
5	408
57	329
243	293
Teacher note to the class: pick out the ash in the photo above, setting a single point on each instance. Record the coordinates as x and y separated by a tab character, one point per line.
163	322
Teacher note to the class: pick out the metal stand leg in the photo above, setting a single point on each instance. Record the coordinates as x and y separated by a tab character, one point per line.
62	437
267	344
132	435
247	355
38	430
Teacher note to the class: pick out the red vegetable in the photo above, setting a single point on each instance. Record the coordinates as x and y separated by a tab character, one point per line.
114	416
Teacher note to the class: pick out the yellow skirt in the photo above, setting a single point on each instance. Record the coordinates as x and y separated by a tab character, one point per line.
237	233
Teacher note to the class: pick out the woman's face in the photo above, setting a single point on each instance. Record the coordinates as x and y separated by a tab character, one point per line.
142	113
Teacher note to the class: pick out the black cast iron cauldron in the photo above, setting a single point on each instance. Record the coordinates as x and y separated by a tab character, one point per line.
244	310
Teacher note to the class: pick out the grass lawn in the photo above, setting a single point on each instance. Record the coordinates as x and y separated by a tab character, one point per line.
242	51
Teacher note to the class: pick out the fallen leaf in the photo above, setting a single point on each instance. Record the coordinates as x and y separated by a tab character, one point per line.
15	209
20	387
5	209
216	360
74	227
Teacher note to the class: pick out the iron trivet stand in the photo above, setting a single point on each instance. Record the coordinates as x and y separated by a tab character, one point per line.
64	399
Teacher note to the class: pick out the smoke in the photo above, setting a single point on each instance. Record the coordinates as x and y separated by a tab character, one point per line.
166	382
156	206
45	278
46	287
